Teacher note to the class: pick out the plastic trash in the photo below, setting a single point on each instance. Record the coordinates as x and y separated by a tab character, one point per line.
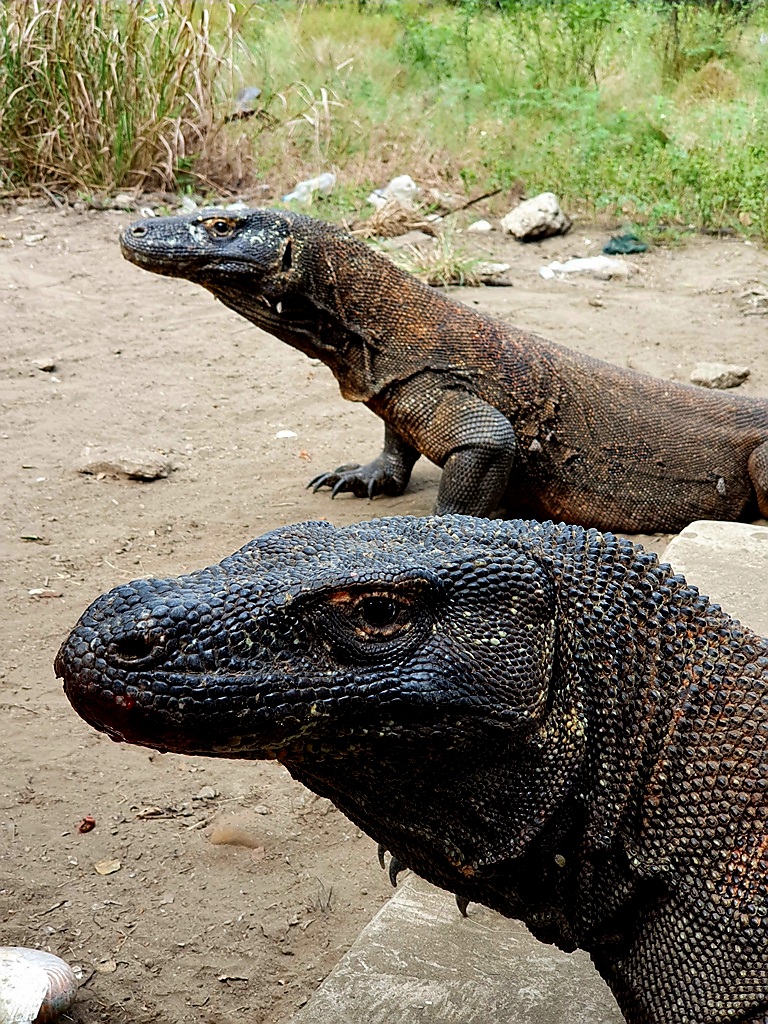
624	245
303	192
598	266
403	189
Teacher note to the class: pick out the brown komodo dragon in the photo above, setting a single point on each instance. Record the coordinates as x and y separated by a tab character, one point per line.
517	423
539	718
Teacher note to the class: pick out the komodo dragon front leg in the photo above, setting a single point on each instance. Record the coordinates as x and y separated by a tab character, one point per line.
388	473
471	440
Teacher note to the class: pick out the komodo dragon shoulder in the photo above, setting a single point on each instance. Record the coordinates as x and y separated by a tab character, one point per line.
517	423
538	718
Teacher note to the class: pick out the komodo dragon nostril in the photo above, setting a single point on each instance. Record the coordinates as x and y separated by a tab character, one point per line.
134	649
138	230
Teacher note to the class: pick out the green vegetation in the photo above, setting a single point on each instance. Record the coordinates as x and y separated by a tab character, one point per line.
648	110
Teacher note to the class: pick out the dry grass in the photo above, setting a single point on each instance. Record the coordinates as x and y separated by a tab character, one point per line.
440	264
392	220
104	94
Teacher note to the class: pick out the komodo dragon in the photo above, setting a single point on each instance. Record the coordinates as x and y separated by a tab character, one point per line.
515	422
538	718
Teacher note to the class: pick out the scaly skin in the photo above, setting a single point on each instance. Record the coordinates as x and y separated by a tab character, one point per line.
534	717
517	423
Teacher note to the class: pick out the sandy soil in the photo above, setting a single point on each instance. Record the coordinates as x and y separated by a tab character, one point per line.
94	352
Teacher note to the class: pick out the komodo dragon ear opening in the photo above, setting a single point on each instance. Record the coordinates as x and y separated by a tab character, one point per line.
287	260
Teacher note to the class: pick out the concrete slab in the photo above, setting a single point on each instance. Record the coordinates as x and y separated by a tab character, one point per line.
420	962
729	563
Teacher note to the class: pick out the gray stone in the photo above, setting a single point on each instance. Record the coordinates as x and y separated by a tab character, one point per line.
536	218
124	464
719	375
420	962
729	563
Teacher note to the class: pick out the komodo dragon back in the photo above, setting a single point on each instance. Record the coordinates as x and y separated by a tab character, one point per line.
538	718
517	423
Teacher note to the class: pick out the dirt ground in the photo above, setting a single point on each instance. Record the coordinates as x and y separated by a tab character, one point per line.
96	353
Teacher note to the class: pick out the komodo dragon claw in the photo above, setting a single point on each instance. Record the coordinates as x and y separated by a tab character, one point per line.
395	867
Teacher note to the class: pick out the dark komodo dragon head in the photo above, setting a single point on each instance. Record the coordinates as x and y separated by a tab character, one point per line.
535	717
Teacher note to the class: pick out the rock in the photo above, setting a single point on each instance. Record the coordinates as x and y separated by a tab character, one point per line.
491	273
719	375
536	218
125	464
481	226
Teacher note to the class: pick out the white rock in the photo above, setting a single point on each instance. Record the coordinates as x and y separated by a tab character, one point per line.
602	267
535	218
481	226
719	375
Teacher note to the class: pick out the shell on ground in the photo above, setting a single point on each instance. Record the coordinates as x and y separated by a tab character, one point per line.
35	987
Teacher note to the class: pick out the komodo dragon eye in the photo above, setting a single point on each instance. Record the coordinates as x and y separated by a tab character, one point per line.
219	227
377	612
374	616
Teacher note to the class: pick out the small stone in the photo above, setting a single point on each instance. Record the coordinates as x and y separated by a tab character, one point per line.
490	272
125	464
46	365
107	867
536	218
719	375
481	226
206	793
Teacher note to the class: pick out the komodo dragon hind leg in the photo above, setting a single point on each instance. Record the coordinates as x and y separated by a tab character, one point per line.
757	467
388	473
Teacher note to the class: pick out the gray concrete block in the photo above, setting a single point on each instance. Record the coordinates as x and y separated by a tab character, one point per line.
420	962
729	563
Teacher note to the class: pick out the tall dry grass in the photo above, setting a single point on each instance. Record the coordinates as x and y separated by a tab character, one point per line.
103	94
